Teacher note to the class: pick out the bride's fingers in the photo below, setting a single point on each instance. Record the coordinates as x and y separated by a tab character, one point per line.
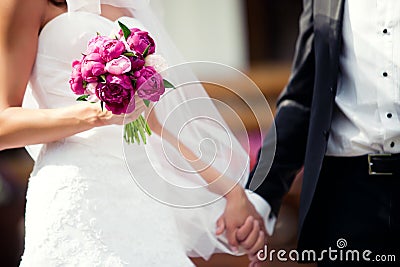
220	226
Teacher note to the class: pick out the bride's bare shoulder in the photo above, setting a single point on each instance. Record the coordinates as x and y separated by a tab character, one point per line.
21	13
20	22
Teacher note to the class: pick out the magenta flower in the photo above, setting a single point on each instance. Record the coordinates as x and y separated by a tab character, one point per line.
116	93
119	65
92	67
149	84
137	62
76	80
95	43
139	40
111	49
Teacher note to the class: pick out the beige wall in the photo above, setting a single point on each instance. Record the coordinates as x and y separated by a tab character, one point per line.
207	30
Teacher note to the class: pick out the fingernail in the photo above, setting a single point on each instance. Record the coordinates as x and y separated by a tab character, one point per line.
234	249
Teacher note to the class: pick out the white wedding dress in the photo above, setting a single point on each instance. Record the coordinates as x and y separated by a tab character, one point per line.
83	206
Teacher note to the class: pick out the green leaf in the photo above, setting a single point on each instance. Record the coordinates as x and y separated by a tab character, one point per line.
146	125
135	132
125	30
146	52
167	84
129	54
141	132
82	98
146	102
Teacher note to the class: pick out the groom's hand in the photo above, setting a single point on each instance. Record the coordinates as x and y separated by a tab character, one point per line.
252	239
242	223
251	236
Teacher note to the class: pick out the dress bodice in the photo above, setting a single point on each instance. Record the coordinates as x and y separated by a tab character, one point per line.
62	40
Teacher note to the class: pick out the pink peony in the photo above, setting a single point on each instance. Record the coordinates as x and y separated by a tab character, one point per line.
91	91
139	40
76	80
111	49
157	62
119	65
92	67
95	43
149	84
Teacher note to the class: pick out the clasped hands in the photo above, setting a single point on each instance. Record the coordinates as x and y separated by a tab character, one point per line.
243	225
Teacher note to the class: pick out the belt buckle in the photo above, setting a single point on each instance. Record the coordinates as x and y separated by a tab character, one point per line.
370	164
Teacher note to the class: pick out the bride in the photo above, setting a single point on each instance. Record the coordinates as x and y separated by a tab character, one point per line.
91	200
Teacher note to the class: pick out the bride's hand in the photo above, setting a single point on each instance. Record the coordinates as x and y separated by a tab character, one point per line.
99	117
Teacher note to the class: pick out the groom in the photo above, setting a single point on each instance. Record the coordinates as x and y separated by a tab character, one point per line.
339	117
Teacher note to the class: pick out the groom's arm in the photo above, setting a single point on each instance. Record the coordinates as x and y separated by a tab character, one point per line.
291	122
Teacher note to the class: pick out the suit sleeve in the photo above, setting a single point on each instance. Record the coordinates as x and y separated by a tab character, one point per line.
289	136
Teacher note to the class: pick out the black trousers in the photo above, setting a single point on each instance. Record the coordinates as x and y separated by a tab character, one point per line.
353	211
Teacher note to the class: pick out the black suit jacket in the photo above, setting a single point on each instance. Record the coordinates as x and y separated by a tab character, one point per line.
305	108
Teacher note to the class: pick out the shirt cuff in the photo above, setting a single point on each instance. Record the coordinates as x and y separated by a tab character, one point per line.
264	209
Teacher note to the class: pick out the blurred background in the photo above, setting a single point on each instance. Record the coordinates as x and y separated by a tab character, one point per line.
256	37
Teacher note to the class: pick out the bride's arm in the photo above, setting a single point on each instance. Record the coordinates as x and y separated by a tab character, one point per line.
238	208
19	27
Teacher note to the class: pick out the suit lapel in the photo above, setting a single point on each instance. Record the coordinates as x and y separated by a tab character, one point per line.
336	17
336	9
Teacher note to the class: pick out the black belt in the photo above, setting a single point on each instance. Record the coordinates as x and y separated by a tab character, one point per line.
384	164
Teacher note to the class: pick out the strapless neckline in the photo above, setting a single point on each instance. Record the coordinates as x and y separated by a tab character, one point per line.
54	20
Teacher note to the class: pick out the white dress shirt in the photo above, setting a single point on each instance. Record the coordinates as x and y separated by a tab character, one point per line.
366	119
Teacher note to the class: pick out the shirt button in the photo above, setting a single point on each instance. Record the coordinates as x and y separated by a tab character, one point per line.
392	144
389	115
385	31
385	74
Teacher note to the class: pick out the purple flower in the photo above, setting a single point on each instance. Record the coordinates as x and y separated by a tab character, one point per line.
139	40
149	84
119	65
111	49
76	80
116	92
92	67
137	62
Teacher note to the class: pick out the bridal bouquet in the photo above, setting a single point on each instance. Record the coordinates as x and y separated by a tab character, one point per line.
114	70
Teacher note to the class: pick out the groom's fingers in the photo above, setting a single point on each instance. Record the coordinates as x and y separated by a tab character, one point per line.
245	229
259	243
251	239
220	226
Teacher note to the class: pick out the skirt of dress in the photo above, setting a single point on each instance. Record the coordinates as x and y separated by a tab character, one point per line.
84	209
